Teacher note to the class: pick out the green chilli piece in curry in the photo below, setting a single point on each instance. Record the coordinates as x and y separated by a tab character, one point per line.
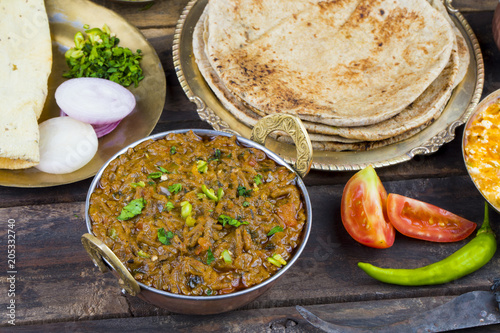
198	231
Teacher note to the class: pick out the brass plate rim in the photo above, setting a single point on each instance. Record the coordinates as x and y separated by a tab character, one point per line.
70	17
463	101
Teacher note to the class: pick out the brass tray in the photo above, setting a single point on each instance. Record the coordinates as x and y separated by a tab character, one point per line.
460	106
66	18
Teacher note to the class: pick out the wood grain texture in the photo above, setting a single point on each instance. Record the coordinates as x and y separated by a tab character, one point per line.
57	282
58	289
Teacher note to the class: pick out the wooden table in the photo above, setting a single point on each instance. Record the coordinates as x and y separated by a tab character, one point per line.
57	288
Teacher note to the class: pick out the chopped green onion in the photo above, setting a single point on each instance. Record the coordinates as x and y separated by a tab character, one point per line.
98	55
143	254
202	166
173	150
246	203
141	184
112	233
169	206
226	255
277	260
275	230
220	193
132	209
186	209
209	192
201	195
190	222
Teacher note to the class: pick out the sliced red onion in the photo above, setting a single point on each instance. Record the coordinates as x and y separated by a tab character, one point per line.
94	101
100	129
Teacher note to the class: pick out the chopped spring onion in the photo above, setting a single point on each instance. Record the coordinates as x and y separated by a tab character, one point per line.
277	260
226	255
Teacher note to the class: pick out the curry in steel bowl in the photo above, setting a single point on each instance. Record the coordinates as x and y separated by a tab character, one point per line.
198	215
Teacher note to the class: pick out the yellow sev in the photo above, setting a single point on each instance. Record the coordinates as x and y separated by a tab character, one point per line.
482	152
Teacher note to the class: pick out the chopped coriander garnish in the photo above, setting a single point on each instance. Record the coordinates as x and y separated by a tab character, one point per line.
229	220
202	166
162	169
208	292
257	179
210	256
173	150
226	255
246	203
169	206
217	155
165	237
141	184
175	188
275	230
132	209
151	182
243	192
98	55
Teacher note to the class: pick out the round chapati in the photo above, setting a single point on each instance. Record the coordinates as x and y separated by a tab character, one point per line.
342	63
425	108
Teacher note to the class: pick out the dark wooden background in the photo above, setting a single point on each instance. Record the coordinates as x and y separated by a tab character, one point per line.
58	289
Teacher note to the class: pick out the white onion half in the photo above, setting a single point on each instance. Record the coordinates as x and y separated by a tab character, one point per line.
66	145
94	101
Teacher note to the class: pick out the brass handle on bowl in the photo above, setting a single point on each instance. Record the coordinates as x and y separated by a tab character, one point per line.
294	127
99	251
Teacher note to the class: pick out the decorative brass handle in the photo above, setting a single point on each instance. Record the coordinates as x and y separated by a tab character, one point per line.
292	126
97	251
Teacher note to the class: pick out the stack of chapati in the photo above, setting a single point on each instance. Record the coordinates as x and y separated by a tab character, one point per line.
25	65
360	73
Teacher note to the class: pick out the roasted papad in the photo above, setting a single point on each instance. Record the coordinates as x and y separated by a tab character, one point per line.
25	65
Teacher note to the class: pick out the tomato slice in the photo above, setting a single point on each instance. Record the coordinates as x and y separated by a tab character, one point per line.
363	210
418	219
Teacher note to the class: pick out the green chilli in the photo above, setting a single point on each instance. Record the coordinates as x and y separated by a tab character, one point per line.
474	255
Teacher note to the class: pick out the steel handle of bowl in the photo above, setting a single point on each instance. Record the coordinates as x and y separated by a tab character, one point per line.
99	251
294	127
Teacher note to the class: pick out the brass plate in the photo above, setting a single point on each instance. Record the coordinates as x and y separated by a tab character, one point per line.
66	18
462	102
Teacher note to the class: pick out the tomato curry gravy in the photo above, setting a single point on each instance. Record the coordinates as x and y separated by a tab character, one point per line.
198	216
482	152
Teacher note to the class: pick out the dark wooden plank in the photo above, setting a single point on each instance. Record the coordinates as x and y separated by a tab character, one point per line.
56	281
285	319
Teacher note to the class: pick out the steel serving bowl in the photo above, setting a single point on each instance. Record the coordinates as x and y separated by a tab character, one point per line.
104	258
492	98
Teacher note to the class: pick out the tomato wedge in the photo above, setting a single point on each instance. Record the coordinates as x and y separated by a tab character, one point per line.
418	219
363	210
